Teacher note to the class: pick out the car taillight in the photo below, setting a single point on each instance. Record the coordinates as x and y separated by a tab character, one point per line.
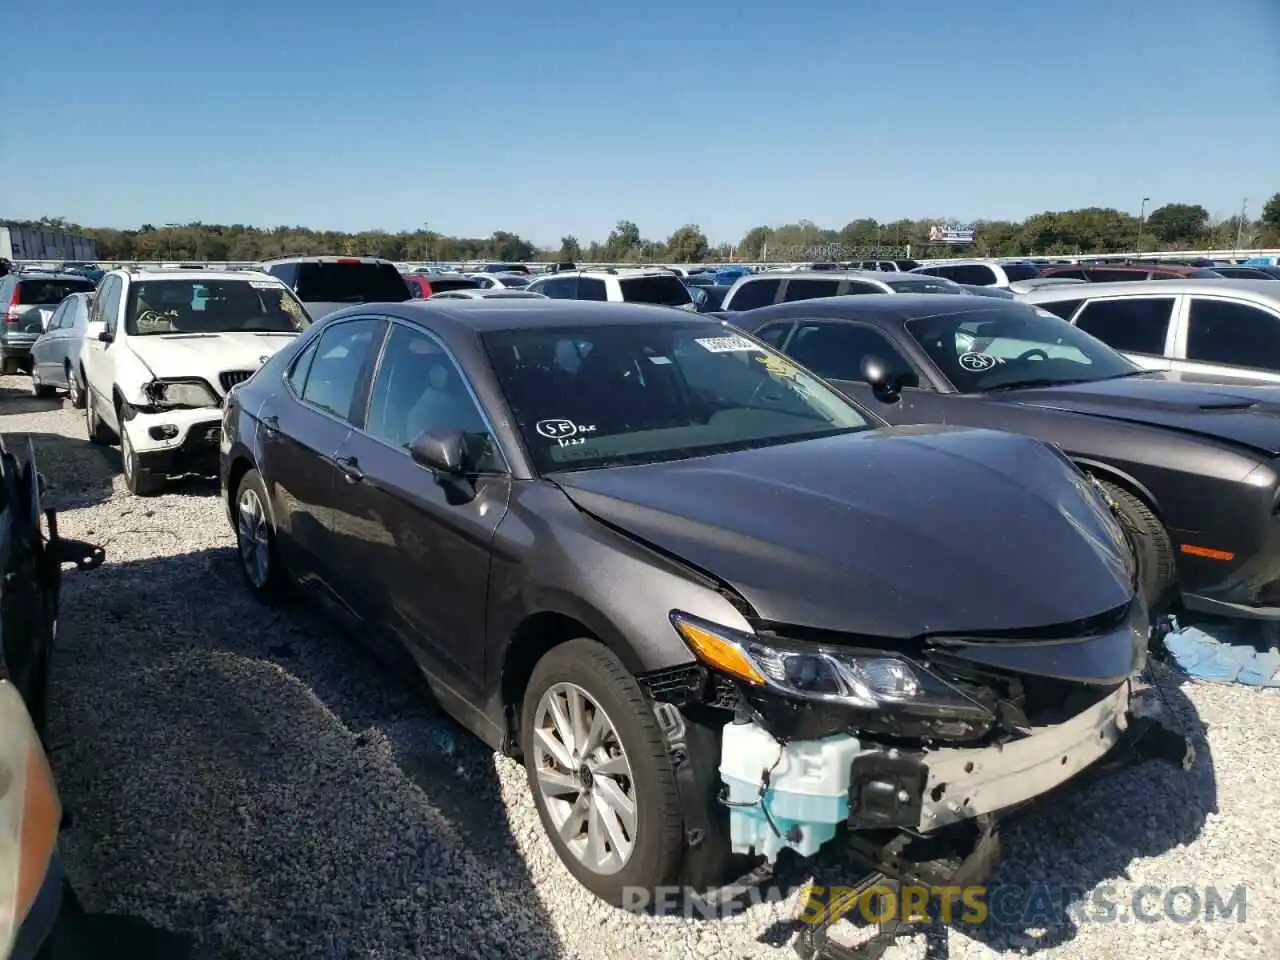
11	311
348	260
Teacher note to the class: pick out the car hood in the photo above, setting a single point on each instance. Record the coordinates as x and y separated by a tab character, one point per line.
891	533
206	355
1246	414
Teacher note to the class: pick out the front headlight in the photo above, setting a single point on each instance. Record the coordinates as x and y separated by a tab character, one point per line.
181	393
30	814
864	679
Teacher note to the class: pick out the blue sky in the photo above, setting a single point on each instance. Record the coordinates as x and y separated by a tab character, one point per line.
550	119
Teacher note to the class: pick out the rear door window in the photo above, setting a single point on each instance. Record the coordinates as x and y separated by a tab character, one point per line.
356	281
809	290
1219	331
1063	308
662	288
592	288
754	293
1131	325
46	293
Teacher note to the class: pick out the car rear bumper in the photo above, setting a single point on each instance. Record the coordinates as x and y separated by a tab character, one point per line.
16	348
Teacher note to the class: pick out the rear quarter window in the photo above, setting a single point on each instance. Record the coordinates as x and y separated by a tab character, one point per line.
358	282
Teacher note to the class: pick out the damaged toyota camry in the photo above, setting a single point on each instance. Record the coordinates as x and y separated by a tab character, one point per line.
714	606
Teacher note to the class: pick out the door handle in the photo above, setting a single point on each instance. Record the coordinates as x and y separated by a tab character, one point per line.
272	423
350	468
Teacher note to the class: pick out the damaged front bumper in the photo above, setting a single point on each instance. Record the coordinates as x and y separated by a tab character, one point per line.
959	783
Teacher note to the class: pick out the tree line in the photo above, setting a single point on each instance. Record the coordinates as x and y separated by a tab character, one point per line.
1091	230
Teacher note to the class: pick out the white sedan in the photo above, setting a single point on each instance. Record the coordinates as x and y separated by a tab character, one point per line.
500	281
477	293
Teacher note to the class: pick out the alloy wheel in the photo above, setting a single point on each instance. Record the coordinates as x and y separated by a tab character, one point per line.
253	537
584	778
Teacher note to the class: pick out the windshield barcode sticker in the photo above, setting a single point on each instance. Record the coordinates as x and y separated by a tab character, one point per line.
728	345
266	284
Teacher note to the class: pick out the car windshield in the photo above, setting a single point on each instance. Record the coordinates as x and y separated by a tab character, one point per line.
613	394
661	288
212	306
931	285
1020	271
350	281
1019	345
47	293
439	284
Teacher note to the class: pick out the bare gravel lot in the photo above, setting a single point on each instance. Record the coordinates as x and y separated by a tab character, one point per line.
256	780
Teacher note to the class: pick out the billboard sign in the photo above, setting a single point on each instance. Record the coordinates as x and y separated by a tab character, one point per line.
951	233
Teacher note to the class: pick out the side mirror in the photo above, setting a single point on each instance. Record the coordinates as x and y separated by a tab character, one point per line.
886	384
105	335
440	450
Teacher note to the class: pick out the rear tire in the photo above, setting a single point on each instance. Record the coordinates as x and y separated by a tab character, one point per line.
256	542
1151	544
10	367
39	389
657	843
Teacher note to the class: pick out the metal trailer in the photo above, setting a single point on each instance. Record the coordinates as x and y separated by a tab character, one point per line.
34	244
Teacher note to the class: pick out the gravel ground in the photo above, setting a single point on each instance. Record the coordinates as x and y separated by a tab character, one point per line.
256	780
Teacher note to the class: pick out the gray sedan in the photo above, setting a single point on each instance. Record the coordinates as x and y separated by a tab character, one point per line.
55	356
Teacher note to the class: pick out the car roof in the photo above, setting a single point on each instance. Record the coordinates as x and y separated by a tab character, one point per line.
486	314
149	276
323	258
1152	288
49	275
887	308
623	273
877	275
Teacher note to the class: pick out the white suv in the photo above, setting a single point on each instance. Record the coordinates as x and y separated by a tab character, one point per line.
162	350
618	286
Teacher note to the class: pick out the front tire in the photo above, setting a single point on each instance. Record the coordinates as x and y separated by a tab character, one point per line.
93	425
1151	544
599	772
256	542
139	480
